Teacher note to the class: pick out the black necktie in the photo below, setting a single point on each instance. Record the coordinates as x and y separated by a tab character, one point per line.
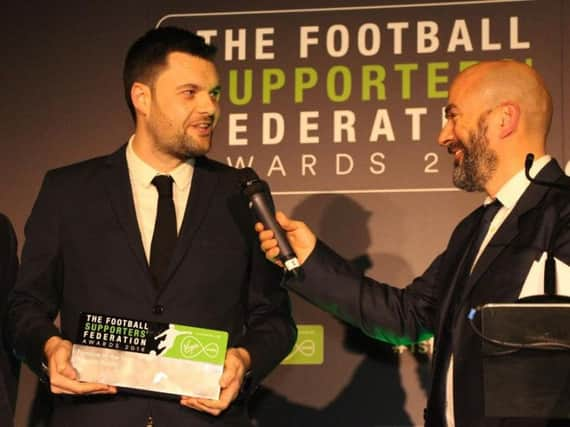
165	234
442	356
479	233
489	213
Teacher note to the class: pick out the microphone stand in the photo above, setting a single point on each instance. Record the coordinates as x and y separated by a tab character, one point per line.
528	164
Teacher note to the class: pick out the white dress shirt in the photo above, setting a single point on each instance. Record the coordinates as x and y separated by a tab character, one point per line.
509	195
145	194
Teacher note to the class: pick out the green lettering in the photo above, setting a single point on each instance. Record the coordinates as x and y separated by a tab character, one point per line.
305	78
233	95
373	77
273	79
345	80
406	70
434	79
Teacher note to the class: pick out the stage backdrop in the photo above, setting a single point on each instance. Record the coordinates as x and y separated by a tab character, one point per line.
336	104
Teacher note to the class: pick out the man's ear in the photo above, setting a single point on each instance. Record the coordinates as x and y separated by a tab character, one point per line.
141	98
509	118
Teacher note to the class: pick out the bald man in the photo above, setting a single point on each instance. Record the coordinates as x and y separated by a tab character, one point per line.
498	112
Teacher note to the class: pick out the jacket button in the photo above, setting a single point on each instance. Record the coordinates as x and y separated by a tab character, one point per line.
158	309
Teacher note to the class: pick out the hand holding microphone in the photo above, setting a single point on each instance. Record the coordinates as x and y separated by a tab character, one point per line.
298	234
287	243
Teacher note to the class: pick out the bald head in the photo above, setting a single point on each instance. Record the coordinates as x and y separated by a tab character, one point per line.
498	111
495	82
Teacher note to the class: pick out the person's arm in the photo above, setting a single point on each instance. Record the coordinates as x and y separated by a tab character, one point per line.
34	302
8	263
8	272
236	365
300	236
269	336
270	330
63	377
8	257
397	316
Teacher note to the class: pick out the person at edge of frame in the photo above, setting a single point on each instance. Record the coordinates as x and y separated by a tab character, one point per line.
100	239
498	112
9	366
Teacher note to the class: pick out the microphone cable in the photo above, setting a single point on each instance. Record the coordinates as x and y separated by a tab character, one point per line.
514	346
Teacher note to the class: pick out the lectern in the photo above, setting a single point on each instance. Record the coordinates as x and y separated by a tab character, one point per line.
526	360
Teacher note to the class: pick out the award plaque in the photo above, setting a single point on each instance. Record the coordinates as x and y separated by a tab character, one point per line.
157	357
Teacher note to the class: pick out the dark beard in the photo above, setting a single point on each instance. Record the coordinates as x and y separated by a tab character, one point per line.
183	147
186	149
479	162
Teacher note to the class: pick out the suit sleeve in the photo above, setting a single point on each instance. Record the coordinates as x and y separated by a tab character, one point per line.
34	302
8	260
270	330
9	367
397	316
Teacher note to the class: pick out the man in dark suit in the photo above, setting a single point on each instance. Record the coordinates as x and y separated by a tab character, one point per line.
497	113
92	245
9	367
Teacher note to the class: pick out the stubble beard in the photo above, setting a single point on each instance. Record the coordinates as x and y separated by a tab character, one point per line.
185	147
479	162
179	145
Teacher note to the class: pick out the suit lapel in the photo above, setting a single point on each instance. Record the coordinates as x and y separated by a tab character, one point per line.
118	187
460	246
510	228
204	182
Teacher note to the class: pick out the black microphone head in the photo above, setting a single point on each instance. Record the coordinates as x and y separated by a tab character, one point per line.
251	184
528	161
527	165
255	186
247	174
247	177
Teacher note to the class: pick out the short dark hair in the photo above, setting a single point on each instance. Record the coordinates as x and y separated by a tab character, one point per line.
148	55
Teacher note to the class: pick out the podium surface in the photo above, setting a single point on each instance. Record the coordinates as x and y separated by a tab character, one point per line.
532	380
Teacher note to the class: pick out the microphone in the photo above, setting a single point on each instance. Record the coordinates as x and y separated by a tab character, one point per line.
528	164
259	195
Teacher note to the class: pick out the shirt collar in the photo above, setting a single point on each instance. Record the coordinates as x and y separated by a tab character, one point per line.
144	173
513	189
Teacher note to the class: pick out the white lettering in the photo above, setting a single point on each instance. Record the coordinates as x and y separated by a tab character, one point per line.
306	125
235	127
344	121
305	40
382	126
428	41
349	164
262	42
275	122
237	43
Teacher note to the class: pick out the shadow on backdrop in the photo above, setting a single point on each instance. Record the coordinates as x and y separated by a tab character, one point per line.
374	395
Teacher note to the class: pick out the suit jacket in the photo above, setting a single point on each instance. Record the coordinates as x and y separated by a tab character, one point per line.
83	253
540	221
9	367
